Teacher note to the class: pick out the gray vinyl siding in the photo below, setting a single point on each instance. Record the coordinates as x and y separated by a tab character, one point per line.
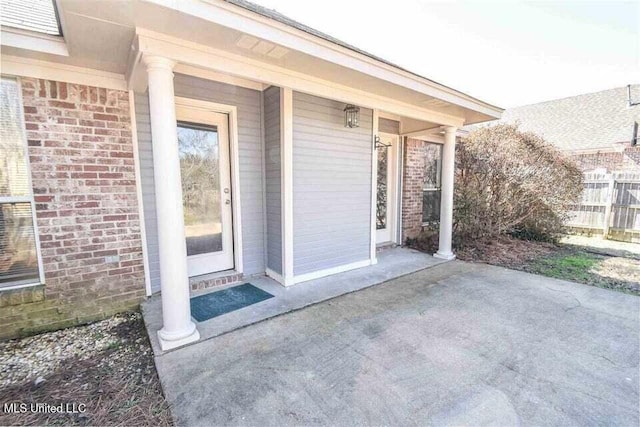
248	103
388	126
145	154
331	185
273	178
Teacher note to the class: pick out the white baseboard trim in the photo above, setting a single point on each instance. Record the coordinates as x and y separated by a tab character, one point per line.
275	276
329	271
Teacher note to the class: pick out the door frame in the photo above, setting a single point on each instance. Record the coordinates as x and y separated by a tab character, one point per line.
392	187
234	160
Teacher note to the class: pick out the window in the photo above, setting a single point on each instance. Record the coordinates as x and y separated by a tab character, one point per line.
431	186
18	240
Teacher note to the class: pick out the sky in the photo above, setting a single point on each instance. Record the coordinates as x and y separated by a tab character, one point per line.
507	53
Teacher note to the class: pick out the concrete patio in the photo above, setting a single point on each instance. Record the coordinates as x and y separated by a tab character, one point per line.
392	263
456	344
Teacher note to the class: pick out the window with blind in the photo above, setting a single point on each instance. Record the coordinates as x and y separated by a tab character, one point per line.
431	187
18	241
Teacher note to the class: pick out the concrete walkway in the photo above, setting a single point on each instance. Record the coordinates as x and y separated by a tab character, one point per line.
456	344
392	263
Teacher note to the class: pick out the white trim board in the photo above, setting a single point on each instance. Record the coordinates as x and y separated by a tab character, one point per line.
34	68
286	184
198	55
374	184
32	199
218	77
136	160
330	271
232	111
33	41
233	16
275	276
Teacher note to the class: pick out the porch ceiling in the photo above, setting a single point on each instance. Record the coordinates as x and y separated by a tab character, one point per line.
100	35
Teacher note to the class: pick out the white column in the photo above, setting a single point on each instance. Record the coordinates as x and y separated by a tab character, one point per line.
177	328
446	198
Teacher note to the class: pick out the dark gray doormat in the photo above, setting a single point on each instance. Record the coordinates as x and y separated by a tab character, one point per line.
211	305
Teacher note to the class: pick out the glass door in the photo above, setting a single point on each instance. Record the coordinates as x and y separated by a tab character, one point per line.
203	142
386	200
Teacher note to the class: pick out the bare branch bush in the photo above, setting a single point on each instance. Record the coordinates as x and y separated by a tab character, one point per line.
512	182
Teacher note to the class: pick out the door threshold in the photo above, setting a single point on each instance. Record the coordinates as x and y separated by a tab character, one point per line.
385	245
218	278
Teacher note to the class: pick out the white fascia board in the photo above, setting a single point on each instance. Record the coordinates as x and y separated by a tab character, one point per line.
235	17
33	41
197	55
34	68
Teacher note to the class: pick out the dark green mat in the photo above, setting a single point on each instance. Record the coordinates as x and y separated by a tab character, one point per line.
211	305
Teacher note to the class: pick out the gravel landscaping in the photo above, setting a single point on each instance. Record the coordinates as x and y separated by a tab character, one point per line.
106	366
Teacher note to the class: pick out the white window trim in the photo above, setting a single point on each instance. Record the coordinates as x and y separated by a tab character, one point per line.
26	199
433	188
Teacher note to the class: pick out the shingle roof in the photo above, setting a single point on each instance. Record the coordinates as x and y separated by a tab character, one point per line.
32	15
590	121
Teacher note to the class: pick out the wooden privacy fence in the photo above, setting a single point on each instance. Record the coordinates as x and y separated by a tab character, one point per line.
610	206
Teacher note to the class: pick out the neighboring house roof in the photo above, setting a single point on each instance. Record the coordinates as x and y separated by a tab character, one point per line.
596	120
33	15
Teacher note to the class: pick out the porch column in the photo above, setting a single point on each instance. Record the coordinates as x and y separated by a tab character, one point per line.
446	198
177	328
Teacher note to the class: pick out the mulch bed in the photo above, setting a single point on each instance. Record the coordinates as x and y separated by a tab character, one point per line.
106	366
506	251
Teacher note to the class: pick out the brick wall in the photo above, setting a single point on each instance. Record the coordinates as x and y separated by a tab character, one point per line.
412	183
83	175
629	159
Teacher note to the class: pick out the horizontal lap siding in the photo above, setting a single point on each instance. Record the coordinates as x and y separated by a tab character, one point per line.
145	154
273	178
248	104
331	185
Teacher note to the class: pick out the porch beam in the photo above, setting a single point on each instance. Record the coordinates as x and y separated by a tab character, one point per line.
446	197
198	55
177	328
423	132
231	16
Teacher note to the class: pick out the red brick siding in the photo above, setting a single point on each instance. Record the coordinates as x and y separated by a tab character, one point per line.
412	183
83	175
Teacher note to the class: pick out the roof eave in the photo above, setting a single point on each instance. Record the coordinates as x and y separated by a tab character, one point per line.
227	14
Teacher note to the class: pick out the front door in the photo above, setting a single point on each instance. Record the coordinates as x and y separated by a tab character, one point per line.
386	189
203	141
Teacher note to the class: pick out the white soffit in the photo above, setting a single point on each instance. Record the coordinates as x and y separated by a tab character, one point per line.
261	47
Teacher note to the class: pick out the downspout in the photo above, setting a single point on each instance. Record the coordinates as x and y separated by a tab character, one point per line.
630	103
